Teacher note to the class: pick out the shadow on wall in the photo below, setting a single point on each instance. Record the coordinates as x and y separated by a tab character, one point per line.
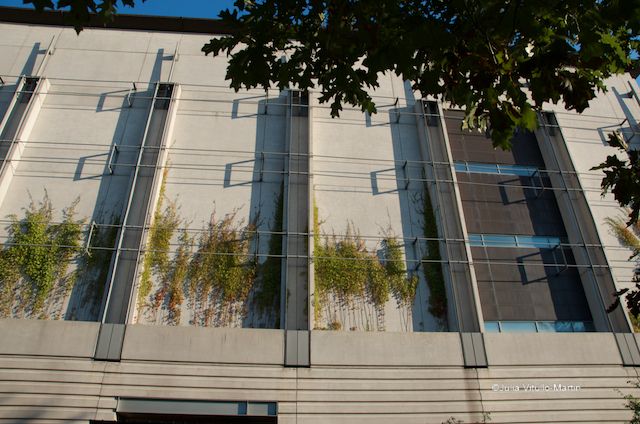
631	130
87	296
262	309
264	174
628	126
411	188
7	90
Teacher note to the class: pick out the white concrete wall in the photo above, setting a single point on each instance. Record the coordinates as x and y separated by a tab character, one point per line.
360	182
586	136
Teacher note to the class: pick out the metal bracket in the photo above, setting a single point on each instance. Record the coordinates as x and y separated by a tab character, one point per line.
564	259
261	166
88	243
113	157
538	174
406	175
2	81
266	102
416	250
395	104
132	91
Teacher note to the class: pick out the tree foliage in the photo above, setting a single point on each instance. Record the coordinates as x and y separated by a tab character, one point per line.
629	236
499	59
80	11
487	56
622	176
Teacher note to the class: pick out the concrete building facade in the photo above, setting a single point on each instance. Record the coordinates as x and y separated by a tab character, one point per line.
219	256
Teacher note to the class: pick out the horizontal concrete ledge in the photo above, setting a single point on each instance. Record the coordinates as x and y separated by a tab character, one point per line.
333	348
552	349
356	348
206	345
48	338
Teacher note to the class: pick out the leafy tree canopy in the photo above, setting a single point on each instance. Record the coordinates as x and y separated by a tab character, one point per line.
622	176
80	10
499	59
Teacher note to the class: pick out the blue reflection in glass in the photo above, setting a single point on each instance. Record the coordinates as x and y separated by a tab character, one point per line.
505	240
539	326
518	326
496	169
491	326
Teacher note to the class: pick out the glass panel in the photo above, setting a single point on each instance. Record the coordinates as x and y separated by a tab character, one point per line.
489	168
504	240
491	326
579	326
524	171
481	168
564	327
496	240
546	326
461	167
518	326
476	240
537	241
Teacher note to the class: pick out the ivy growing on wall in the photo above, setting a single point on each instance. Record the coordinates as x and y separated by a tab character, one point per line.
403	286
342	266
216	270
179	270
156	259
37	255
346	269
222	262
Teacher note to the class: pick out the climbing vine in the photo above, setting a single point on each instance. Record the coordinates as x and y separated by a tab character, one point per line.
38	253
216	270
342	266
431	262
222	262
156	259
345	269
179	270
403	286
